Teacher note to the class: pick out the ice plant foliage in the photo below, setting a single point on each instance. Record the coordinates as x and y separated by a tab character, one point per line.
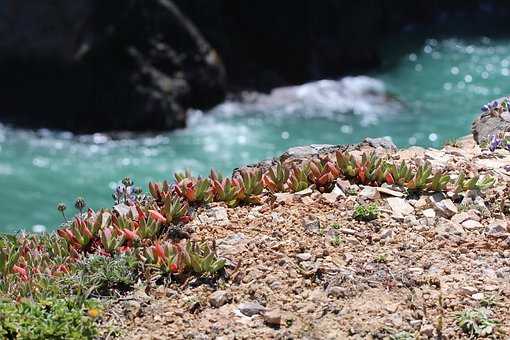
251	185
298	179
276	178
323	174
474	183
193	190
184	257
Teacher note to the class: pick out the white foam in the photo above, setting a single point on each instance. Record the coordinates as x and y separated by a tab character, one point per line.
361	95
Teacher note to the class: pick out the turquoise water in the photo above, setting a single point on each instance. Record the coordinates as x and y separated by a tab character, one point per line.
428	91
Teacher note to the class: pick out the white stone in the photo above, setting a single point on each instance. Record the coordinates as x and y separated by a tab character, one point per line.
443	205
390	192
399	206
472	225
429	213
369	193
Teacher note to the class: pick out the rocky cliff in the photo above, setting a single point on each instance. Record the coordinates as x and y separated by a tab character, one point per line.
89	65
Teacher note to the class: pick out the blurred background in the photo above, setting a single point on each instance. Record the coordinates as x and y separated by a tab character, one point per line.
93	90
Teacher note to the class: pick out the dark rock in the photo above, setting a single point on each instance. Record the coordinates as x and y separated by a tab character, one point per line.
266	44
87	65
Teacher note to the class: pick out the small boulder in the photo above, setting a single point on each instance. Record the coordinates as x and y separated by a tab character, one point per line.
305	192
389	192
330	197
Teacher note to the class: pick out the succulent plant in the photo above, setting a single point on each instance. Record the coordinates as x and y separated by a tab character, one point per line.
474	183
298	179
163	257
159	192
275	179
401	174
174	209
226	190
346	163
421	178
323	174
110	240
79	235
148	228
438	182
85	230
194	190
250	183
9	255
202	259
366	212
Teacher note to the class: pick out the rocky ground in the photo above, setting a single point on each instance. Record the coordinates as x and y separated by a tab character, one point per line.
301	267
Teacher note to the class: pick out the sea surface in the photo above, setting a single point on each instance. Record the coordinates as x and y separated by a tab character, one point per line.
429	90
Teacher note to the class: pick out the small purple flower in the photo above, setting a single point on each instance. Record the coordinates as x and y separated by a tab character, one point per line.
494	143
124	194
490	107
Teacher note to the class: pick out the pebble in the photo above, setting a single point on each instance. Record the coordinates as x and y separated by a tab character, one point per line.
305	192
468	290
312	226
336	291
399	206
472	225
443	205
218	215
445	226
343	184
330	197
338	191
477	296
304	256
390	192
273	317
429	213
461	217
251	308
369	193
219	298
132	309
496	229
386	234
284	197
